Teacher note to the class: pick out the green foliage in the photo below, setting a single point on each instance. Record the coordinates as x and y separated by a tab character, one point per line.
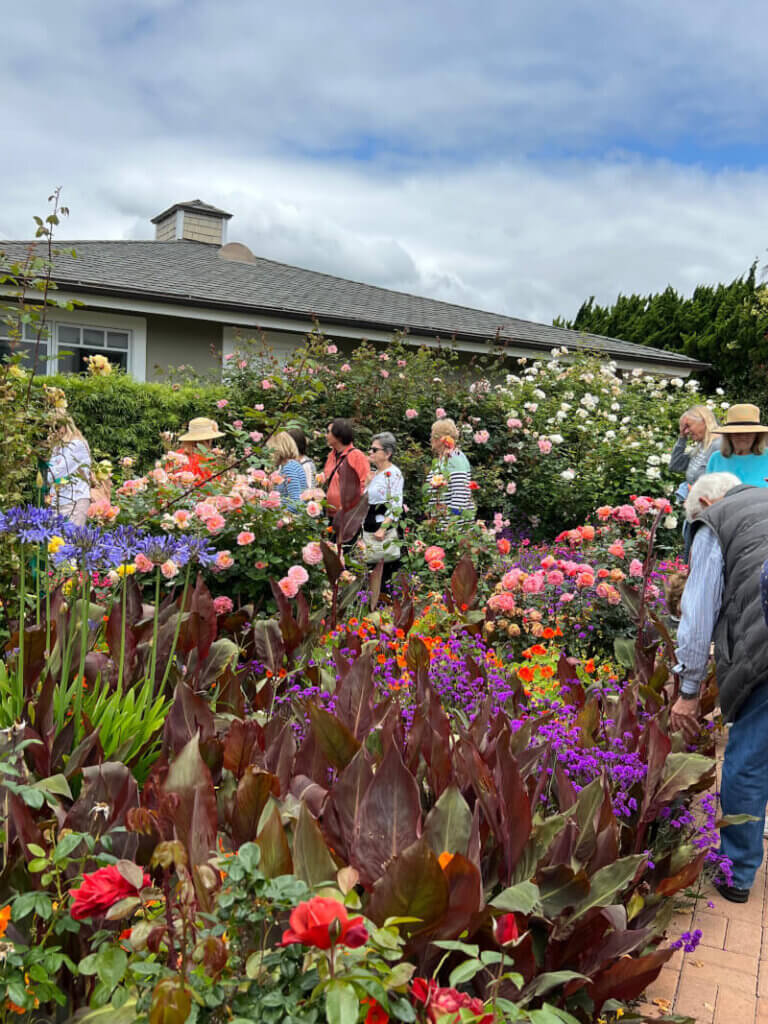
724	325
121	417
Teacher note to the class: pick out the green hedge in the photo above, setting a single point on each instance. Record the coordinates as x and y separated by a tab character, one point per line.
119	416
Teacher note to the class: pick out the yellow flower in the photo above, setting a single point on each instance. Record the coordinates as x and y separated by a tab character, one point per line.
16	371
54	544
126	569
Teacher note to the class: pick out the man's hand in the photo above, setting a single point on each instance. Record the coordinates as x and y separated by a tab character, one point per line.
684	717
380	534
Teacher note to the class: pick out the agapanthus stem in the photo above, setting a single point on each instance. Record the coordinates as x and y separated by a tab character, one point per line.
177	630
153	658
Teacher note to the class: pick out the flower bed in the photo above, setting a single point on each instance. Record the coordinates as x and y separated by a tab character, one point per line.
459	806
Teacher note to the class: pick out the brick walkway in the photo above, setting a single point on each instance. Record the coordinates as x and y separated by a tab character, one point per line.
725	981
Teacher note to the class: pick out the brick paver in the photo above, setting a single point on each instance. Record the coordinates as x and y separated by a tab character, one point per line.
725	981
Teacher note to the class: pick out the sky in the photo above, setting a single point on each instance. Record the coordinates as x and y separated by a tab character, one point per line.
514	156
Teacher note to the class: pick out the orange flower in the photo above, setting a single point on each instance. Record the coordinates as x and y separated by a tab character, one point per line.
589	666
5	916
547	671
445	859
526	674
381	658
548	633
538	649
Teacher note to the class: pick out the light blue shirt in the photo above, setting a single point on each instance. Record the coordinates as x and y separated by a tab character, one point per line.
750	469
700	605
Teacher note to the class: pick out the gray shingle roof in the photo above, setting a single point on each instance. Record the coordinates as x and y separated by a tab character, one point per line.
193	273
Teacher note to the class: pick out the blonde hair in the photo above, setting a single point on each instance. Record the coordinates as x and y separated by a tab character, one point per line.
283	445
705	415
445	428
67	431
758	445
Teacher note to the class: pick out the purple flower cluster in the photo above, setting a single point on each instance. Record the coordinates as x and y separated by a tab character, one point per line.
688	941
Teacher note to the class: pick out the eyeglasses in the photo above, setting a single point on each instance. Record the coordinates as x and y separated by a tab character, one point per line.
372	450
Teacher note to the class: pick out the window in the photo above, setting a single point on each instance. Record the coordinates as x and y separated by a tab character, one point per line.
75	344
25	346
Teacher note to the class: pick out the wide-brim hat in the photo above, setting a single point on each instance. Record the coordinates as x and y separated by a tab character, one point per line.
742	419
201	429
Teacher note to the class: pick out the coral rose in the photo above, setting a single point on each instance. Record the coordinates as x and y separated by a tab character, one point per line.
323	922
434	553
222	605
245	537
298	574
312	553
100	890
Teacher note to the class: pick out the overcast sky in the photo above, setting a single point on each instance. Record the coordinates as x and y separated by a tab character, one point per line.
513	155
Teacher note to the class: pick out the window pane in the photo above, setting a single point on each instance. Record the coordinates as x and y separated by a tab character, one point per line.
27	350
76	361
93	337
117	339
69	335
30	332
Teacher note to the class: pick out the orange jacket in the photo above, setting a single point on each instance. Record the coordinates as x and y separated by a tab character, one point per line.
356	460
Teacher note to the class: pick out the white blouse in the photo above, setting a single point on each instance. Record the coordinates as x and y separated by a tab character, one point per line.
386	488
69	473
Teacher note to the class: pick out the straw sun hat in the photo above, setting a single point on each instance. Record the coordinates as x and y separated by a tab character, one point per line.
742	419
201	429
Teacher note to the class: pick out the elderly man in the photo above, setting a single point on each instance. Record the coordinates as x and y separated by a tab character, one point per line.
722	601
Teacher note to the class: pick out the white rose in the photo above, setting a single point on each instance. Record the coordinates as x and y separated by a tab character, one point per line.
568	474
671	522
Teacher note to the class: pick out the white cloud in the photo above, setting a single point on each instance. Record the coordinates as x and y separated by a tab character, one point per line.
411	146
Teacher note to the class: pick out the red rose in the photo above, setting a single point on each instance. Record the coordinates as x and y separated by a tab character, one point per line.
503	545
474	486
506	929
441	1001
323	922
101	890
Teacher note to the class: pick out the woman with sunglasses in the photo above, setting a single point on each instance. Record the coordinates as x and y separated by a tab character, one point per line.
385	505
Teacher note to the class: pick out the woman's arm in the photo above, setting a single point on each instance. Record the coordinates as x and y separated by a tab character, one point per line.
679	458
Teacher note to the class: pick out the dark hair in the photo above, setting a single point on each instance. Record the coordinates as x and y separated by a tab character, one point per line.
343	430
299	437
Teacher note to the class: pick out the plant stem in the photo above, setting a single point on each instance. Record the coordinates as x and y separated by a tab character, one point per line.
22	609
177	630
153	658
123	604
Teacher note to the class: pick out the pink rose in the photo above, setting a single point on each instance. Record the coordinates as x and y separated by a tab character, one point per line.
626	513
635	567
222	605
224	560
502	603
533	584
245	537
312	553
181	517
548	562
510	459
215	523
266	384
259	407
440	413
555	577
298	574
237	424
331	350
481	437
585	579
411	414
511	487
436	565
514	424
384	373
222	403
313	509
616	549
566	598
142	563
434	553
255	436
545	446
169	569
288	586
346	368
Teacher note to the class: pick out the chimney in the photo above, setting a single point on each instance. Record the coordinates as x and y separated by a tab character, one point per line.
194	221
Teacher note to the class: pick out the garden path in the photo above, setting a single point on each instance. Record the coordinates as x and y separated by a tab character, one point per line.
725	981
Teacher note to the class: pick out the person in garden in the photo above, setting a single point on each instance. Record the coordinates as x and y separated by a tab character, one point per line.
286	458
742	448
385	505
722	601
309	467
341	441
69	473
449	482
201	433
697	425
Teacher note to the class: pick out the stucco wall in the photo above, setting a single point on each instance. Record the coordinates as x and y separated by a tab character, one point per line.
173	341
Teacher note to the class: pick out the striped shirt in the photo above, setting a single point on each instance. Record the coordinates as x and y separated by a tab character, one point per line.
456	495
700	605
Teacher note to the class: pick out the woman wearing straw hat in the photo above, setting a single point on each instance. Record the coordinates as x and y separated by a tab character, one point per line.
201	433
742	448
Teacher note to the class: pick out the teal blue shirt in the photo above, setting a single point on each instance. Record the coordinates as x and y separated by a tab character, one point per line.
750	469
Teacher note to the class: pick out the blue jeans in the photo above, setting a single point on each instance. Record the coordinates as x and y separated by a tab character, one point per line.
744	787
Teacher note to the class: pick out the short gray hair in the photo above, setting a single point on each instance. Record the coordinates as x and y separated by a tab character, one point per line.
387	441
713	486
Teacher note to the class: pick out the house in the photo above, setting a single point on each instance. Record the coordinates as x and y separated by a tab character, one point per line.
187	296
